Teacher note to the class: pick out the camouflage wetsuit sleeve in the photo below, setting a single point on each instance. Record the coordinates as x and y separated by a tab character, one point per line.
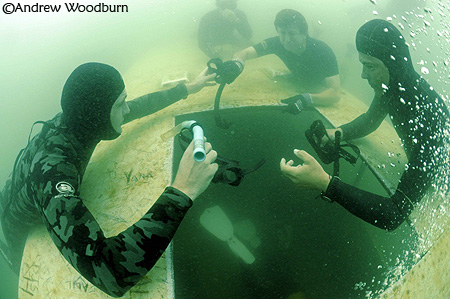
153	102
112	264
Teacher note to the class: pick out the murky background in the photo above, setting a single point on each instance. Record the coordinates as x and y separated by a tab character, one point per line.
39	50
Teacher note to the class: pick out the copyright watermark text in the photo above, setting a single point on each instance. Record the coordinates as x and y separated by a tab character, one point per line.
11	8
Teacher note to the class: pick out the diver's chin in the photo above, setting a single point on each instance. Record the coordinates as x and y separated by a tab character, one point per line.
289	48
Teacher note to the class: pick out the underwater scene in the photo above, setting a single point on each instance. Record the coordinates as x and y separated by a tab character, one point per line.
225	149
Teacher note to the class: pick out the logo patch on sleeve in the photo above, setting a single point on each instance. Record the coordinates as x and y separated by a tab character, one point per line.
264	45
65	188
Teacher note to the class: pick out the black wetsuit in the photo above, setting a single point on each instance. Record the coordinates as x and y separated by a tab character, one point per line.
45	189
215	30
311	68
420	118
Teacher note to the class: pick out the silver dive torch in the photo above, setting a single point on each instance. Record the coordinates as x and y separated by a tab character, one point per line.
198	137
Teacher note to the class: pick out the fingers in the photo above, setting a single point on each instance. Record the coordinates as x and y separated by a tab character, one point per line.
282	163
190	147
214	167
286	167
307	158
211	77
208	147
211	157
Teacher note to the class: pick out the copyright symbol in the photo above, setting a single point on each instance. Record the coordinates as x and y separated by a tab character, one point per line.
8	8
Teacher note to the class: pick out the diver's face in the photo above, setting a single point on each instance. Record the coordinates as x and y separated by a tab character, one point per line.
375	72
118	111
292	39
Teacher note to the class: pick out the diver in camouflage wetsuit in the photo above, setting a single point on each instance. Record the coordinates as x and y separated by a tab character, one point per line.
44	186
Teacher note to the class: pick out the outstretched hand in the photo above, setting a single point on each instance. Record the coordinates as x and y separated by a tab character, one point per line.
202	80
310	174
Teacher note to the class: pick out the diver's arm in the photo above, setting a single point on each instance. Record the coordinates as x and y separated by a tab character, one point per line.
330	95
366	123
204	41
246	54
156	101
388	212
375	209
384	212
242	25
153	102
113	264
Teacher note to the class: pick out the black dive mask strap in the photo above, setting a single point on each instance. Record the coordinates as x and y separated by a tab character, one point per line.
330	152
215	65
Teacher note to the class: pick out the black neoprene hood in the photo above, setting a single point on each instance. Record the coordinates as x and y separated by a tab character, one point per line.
382	40
87	98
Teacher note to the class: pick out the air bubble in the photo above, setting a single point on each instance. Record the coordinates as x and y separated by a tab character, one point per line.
424	70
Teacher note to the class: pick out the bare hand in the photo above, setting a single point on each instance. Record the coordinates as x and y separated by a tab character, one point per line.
202	80
309	175
194	177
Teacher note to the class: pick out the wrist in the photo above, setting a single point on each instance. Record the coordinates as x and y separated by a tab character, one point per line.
325	182
307	98
183	190
188	88
176	191
240	62
192	88
182	90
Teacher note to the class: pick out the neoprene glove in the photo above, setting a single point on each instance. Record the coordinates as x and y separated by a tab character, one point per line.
231	69
298	103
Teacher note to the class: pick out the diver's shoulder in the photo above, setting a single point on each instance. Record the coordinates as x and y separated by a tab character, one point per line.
317	42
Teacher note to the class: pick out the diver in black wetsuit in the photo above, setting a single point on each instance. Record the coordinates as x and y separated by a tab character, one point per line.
45	183
420	118
312	62
224	30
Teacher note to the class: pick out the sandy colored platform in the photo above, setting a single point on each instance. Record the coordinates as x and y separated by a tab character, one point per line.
125	176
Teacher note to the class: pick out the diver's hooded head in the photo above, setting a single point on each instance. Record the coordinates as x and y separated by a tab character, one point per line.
87	98
382	40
